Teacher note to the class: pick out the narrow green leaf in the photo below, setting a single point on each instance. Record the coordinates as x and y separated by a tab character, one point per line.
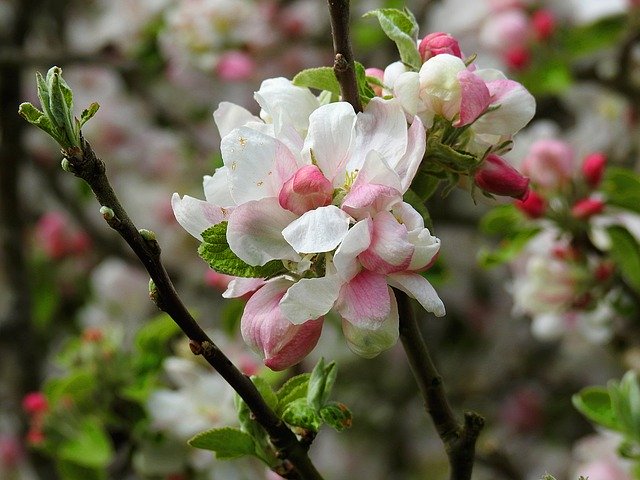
91	447
321	383
30	113
622	188
625	251
88	113
299	414
292	386
216	252
595	404
226	442
337	416
321	78
401	27
61	105
43	94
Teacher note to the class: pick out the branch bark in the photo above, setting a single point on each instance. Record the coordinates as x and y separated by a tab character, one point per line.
459	439
84	163
344	65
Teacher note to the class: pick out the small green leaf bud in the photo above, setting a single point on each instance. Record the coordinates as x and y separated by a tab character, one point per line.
148	235
107	213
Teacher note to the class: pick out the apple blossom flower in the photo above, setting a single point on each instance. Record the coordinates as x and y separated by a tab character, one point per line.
549	164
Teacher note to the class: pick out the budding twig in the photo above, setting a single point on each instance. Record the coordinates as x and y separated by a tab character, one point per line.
84	164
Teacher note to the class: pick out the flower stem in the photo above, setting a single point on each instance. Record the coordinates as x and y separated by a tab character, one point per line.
84	164
459	440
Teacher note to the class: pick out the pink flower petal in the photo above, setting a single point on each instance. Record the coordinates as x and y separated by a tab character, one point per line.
365	300
474	99
389	251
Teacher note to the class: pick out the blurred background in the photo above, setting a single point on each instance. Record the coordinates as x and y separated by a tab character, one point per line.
95	384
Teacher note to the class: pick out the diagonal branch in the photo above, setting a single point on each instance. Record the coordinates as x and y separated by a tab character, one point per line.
83	163
459	440
344	65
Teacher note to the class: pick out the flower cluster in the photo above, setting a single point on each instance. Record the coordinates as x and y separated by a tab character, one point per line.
319	189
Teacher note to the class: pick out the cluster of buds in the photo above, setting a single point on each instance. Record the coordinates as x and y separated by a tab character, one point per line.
35	405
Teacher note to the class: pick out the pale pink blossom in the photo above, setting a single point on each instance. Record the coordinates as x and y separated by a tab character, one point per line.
235	65
549	164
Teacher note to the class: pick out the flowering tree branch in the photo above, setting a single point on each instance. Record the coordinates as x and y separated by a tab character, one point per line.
459	440
83	163
344	66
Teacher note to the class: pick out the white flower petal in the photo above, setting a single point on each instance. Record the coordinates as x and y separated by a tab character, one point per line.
310	298
229	116
216	188
354	243
195	216
418	287
319	230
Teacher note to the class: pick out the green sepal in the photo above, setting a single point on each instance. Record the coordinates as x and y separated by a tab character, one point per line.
625	252
595	404
401	27
216	252
425	184
365	91
300	414
337	416
321	78
226	442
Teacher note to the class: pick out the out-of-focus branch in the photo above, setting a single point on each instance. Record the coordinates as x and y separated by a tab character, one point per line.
459	440
344	66
83	163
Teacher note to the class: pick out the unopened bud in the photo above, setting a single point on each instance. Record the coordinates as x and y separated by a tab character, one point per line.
66	165
544	24
593	168
148	235
534	206
496	176
438	43
35	402
517	58
306	190
107	213
587	207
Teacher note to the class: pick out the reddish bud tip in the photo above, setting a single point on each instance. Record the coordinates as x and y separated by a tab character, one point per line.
517	57
587	207
544	24
496	176
35	402
534	206
593	168
438	43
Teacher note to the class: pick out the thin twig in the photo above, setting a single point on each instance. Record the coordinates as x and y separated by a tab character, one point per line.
344	66
459	440
84	164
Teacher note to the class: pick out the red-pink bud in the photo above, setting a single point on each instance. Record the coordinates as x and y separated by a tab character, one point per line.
437	43
517	57
496	176
235	65
587	207
35	436
306	190
544	23
593	168
534	206
35	402
375	73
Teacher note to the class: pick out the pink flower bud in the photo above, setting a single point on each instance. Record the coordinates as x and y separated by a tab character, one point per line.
268	332
587	207
437	43
306	190
376	73
593	168
35	402
219	281
517	57
235	66
534	206
496	176
35	436
544	24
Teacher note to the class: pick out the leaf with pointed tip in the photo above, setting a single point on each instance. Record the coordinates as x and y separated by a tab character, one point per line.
226	442
337	416
365	91
321	383
88	113
35	117
401	27
595	404
321	78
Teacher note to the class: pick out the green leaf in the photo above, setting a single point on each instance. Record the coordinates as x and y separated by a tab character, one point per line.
300	414
595	404
508	249
154	336
266	391
503	220
263	447
365	91
71	471
78	385
587	39
321	383
321	78
35	117
216	252
292	386
622	188
625	251
88	113
226	442
43	94
625	399
401	27
91	447
337	416
61	105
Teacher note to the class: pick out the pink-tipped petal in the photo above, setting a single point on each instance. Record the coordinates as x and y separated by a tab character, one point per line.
389	251
365	300
474	98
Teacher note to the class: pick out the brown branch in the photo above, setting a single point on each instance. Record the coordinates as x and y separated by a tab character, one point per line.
344	66
459	440
84	164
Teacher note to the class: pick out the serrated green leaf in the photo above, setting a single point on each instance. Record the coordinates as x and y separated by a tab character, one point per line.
622	188
293	388
226	442
595	404
216	252
88	113
503	220
30	113
337	416
625	252
321	78
90	446
508	249
266	391
321	383
299	414
401	27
